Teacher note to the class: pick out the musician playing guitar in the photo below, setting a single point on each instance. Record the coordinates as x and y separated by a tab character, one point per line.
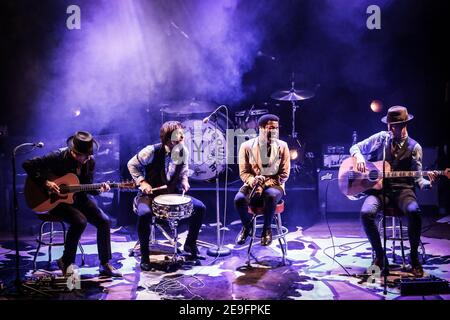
158	165
402	153
76	158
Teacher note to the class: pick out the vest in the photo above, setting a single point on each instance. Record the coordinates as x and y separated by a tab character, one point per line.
155	172
401	162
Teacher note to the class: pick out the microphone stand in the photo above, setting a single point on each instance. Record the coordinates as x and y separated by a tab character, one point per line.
385	262
217	251
18	281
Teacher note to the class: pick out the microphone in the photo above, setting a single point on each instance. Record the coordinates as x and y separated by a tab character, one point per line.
28	144
206	120
386	136
252	193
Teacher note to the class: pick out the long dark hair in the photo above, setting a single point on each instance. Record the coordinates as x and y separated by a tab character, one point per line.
165	133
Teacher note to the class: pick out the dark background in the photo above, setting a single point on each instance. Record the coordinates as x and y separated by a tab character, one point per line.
324	43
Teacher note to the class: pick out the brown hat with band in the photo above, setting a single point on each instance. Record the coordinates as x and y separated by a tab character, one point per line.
397	114
82	142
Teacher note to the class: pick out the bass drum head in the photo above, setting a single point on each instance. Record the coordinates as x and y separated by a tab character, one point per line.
207	148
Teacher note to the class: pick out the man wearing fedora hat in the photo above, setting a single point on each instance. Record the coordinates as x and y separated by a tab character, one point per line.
76	158
403	154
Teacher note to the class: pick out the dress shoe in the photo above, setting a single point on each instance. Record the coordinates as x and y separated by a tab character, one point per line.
108	270
66	271
193	251
266	237
145	266
243	235
416	268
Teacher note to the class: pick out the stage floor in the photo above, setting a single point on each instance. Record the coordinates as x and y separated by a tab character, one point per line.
310	272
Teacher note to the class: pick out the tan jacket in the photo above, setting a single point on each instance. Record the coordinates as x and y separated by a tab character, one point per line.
251	163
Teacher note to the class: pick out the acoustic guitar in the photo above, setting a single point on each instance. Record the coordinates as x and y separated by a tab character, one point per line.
40	200
352	182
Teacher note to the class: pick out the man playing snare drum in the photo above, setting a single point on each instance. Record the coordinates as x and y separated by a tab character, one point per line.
157	165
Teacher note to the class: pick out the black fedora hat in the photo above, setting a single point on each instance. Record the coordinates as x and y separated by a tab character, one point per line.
82	142
397	114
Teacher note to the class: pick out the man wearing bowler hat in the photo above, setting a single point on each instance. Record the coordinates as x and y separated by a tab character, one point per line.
403	154
76	158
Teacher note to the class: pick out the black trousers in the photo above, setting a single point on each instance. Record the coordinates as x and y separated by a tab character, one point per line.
144	211
77	215
269	199
406	201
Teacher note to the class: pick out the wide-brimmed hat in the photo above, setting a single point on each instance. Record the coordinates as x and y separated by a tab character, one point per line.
82	142
397	114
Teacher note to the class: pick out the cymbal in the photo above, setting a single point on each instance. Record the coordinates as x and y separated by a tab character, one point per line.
292	95
188	107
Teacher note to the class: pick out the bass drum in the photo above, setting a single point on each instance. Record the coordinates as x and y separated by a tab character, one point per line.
207	149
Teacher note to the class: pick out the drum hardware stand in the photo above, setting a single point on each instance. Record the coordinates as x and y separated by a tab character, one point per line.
217	251
176	258
294	108
294	95
153	240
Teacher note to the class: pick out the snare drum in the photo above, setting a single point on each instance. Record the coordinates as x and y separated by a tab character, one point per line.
172	206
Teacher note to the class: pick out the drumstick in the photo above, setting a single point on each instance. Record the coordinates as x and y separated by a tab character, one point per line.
160	188
182	195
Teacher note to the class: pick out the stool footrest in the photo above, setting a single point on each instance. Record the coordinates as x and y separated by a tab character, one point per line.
284	231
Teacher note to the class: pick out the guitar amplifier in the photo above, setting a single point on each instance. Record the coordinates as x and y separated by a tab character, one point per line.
331	199
334	160
333	155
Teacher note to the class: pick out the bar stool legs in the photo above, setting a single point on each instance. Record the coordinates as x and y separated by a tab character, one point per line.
281	233
51	237
398	232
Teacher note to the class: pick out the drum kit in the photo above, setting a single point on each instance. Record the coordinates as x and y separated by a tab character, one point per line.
204	137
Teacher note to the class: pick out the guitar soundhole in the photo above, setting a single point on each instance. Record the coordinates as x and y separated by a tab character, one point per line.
63	189
55	197
373	175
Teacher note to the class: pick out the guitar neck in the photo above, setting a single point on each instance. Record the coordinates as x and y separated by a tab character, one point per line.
85	187
409	174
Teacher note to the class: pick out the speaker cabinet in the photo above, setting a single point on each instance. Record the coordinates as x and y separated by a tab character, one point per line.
331	200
